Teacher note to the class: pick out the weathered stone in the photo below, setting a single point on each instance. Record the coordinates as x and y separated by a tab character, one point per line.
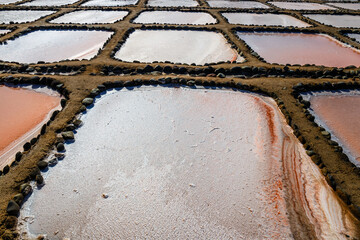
39	179
27	146
19	198
42	165
88	101
25	189
6	169
325	134
18	156
68	135
60	147
12	208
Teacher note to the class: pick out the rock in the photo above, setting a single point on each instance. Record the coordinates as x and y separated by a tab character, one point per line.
27	146
77	122
310	153
94	93
88	101
19	198
53	162
82	108
18	156
325	134
68	135
12	208
6	169
63	102
8	235
60	147
42	165
39	179
221	75
25	189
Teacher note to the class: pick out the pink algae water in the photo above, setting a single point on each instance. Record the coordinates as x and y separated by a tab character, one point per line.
341	114
298	48
22	110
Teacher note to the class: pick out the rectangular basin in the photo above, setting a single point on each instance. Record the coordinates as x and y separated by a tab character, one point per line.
91	17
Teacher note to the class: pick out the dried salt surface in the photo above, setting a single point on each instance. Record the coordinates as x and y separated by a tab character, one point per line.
21	16
302	6
54	45
354	35
266	19
172	3
175	17
24	110
347	21
8	1
298	48
236	4
351	6
180	163
338	112
4	31
183	46
109	3
91	17
49	2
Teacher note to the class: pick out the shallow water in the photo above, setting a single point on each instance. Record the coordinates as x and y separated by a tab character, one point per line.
21	16
348	21
351	6
182	46
302	6
339	112
297	48
354	35
266	19
49	2
4	31
236	4
180	163
172	3
23	112
91	16
175	17
110	3
54	45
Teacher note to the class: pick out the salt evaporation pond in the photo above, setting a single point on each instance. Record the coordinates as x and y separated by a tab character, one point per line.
109	3
266	19
180	163
347	21
21	16
4	31
299	48
175	17
23	112
172	3
91	17
339	113
302	6
351	6
354	35
182	46
236	4
49	2
54	45
8	1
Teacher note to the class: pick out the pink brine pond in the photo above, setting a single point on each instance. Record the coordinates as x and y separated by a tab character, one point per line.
339	113
23	112
298	48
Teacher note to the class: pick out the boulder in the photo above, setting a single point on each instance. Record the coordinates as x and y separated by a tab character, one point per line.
42	165
68	135
88	101
60	147
19	198
13	208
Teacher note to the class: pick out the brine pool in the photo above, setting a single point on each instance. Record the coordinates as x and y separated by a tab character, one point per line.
185	163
